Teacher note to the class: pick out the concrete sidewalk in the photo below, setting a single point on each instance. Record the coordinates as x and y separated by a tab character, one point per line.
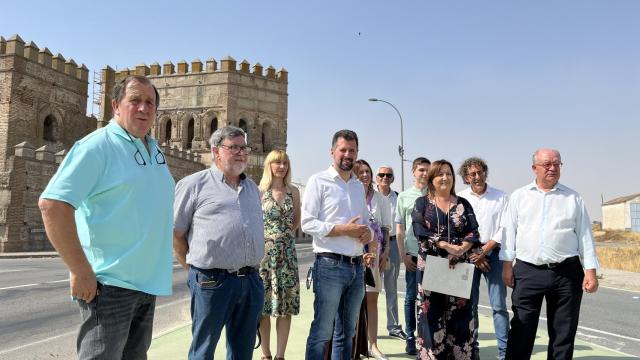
175	344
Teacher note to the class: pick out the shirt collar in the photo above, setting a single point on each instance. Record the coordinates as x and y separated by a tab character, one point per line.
335	175
219	175
486	192
556	187
115	128
422	191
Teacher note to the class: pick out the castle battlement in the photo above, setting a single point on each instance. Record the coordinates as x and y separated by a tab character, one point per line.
30	51
196	67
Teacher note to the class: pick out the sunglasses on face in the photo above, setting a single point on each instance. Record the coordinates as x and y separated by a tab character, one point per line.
382	175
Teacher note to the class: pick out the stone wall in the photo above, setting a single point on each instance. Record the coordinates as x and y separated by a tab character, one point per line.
197	98
43	97
28	173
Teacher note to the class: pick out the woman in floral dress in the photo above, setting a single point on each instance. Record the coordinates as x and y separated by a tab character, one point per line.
445	226
279	267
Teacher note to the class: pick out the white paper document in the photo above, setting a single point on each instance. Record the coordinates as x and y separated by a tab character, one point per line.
439	278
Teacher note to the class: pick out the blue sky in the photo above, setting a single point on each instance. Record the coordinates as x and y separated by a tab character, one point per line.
496	79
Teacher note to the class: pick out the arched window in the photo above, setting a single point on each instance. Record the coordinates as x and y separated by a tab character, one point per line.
49	128
266	137
214	125
189	134
242	124
167	131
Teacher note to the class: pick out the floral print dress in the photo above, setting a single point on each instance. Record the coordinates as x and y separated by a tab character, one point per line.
445	323
279	267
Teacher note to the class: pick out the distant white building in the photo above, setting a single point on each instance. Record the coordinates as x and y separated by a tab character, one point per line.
622	213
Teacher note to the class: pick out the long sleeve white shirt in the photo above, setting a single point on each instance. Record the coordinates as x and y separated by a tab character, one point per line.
489	209
548	227
329	200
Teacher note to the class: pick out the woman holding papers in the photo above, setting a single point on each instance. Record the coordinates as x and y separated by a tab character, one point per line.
446	227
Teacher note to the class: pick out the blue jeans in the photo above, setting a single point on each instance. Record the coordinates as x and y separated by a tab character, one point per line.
498	299
390	276
410	302
339	290
117	324
221	300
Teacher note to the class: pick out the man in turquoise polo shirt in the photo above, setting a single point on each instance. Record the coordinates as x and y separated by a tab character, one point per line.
108	213
408	245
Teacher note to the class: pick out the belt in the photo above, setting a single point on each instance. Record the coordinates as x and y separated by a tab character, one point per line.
550	266
243	271
392	238
356	260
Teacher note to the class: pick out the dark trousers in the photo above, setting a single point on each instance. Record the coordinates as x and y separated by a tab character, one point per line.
561	287
116	325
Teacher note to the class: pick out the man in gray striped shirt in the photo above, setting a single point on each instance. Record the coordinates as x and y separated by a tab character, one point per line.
219	237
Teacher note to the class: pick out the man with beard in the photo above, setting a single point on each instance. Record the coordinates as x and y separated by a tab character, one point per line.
218	237
334	212
548	231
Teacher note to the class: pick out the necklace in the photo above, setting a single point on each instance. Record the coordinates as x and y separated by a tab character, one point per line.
448	218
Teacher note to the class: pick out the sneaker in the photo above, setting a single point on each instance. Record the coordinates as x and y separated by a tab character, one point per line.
398	334
411	346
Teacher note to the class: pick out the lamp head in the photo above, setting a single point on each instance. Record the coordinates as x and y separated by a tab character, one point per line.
373	99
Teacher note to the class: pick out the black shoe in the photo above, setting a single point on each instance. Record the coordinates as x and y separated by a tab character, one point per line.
398	334
411	346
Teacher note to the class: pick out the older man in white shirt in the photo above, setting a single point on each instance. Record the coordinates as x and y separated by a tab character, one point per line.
488	204
334	212
548	232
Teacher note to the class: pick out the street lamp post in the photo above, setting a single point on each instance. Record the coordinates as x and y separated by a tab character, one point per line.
401	147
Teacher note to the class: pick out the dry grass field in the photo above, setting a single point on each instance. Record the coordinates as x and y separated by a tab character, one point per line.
618	250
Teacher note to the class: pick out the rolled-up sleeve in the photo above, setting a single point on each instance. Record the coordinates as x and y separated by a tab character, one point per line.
311	207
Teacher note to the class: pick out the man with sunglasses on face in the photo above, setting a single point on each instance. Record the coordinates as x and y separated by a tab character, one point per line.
218	237
390	274
548	234
107	211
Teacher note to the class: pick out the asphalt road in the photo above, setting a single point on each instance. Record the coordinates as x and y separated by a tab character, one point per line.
38	320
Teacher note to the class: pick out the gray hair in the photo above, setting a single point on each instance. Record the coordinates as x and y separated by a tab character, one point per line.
227	132
535	155
386	167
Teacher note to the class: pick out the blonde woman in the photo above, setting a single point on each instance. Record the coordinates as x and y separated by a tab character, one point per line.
279	267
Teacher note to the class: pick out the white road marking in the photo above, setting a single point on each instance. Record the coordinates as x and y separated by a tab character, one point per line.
34	284
158	307
579	327
9	271
52	282
37	342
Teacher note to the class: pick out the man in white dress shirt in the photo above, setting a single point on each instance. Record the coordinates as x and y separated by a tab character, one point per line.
488	204
334	212
548	232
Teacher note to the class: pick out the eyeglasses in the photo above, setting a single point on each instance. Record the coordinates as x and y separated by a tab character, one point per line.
237	149
387	175
160	159
474	174
548	165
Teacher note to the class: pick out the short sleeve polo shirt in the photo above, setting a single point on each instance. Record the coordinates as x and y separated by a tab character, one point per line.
123	199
